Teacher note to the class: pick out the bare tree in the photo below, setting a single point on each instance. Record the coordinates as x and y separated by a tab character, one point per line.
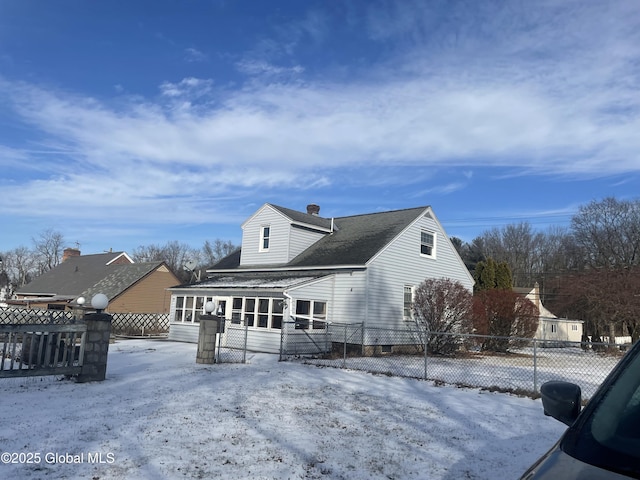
175	254
20	265
520	247
48	247
608	233
213	252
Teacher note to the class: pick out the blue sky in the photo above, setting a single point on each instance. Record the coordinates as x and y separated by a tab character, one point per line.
128	123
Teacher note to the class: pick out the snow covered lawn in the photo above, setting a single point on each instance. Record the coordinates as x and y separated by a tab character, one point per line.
160	415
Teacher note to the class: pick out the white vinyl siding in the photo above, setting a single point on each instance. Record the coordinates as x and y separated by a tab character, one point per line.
253	251
269	238
345	294
401	264
300	239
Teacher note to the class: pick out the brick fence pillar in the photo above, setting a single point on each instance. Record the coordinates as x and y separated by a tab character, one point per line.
96	347
207	339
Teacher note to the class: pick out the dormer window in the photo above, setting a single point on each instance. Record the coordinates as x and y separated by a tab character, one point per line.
428	244
265	237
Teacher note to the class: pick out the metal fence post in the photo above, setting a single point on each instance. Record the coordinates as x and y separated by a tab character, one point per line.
284	325
535	367
426	335
246	335
344	348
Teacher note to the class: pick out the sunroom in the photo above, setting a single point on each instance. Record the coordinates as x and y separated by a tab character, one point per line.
261	303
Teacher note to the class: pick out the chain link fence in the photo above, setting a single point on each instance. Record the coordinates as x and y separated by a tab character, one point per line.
506	364
232	342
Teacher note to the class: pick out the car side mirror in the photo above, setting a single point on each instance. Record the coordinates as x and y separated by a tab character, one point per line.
561	400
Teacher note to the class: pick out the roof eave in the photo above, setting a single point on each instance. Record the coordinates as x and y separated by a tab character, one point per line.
289	268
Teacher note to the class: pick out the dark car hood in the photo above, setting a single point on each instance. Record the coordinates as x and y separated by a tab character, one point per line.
556	464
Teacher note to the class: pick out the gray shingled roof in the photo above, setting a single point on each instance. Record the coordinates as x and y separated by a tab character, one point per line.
120	278
300	217
72	276
355	240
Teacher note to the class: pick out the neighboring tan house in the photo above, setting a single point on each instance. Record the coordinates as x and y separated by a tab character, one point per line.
360	269
130	287
550	327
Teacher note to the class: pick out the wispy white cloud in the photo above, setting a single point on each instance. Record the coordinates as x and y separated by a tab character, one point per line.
193	55
547	89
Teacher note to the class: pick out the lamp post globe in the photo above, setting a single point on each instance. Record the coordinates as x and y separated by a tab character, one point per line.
99	301
209	307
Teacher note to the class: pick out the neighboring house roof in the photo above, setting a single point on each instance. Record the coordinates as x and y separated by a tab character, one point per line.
120	278
354	240
533	294
74	275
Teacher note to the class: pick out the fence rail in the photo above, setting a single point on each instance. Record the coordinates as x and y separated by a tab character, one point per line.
51	349
138	324
517	365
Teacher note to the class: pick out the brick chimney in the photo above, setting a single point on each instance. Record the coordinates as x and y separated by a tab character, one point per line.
313	209
70	252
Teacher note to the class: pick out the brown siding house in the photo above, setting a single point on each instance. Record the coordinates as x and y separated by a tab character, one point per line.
130	287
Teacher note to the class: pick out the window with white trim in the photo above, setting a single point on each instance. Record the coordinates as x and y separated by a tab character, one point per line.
258	312
427	244
265	237
554	328
236	310
311	313
407	310
189	308
250	311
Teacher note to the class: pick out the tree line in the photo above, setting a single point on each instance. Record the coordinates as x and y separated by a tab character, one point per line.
589	270
22	264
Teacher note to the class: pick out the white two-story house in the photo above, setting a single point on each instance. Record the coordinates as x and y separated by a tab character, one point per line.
297	266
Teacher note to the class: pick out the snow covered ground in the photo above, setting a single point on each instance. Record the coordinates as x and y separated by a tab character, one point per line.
159	415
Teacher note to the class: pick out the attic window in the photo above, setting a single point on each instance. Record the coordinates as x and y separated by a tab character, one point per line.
265	237
427	244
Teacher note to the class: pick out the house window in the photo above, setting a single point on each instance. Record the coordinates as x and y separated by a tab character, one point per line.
319	314
263	312
305	317
265	237
427	244
554	328
250	311
408	302
221	308
236	310
277	313
574	328
258	312
188	308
